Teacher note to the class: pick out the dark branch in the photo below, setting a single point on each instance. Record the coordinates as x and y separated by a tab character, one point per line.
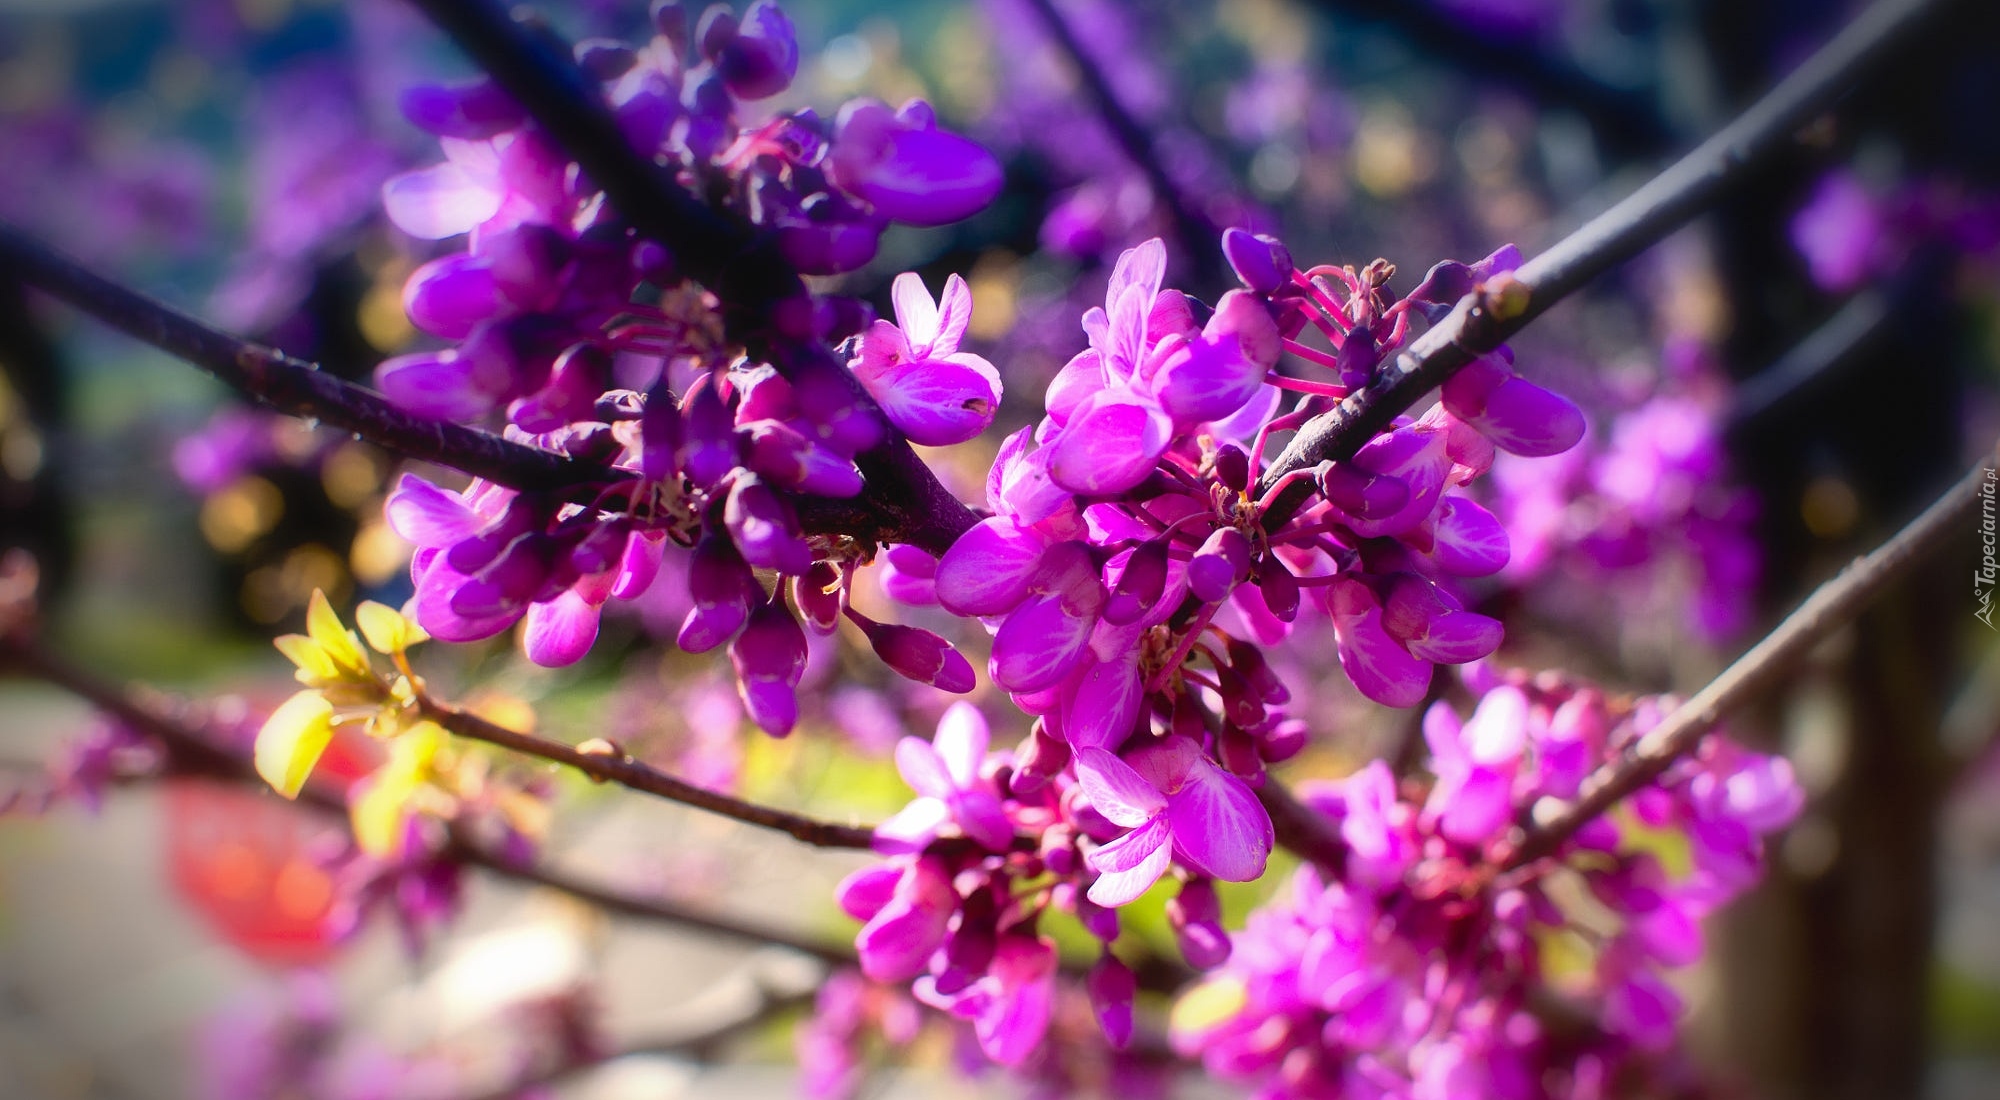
628	772
191	752
1670	200
1812	363
289	385
1826	610
1199	238
1624	118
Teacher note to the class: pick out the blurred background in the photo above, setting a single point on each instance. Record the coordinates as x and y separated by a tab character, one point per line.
1771	392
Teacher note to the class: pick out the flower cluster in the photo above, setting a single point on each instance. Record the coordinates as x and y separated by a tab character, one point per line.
1849	232
1651	499
1126	522
550	269
1416	970
976	859
559	317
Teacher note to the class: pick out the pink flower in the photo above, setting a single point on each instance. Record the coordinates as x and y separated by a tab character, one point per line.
1011	1004
945	774
934	393
1178	805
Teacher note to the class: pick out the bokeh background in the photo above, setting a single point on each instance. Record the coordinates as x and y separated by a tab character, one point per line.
1771	392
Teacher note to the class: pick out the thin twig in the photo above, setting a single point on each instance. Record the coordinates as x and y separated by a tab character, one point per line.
289	385
1624	118
1199	239
191	752
1826	610
1474	328
628	772
1813	362
694	1042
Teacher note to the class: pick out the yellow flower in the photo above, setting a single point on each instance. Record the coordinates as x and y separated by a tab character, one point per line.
291	741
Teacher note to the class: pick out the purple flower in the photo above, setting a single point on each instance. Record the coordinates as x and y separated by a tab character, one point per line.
931	391
1178	805
907	905
945	773
1010	1006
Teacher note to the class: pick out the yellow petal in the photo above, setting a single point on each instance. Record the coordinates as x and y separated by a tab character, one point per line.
1205	1007
376	808
338	641
386	629
316	668
292	738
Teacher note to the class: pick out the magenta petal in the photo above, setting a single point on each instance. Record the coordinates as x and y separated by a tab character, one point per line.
939	402
979	815
1469	540
961	742
1130	865
1479	808
916	313
922	768
423	514
867	891
986	571
1116	789
1013	1026
1517	415
1110	444
1080	379
1381	668
1039	644
448	296
954	313
1219	826
560	631
897	943
1105	705
438	202
912	828
440	385
1458	637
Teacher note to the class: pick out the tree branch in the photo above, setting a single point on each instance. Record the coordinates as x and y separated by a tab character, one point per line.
190	752
1624	118
1827	609
1474	328
293	386
628	772
1199	238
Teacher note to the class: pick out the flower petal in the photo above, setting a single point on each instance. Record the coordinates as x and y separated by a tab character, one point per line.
1130	865
438	202
1219	826
916	312
1116	789
961	741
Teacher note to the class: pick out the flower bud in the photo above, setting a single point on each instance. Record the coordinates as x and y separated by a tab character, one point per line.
764	528
1221	563
1263	263
1112	986
820	597
921	656
1140	585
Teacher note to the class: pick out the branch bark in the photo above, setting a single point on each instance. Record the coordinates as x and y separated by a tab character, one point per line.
628	772
1830	606
1670	200
1200	240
